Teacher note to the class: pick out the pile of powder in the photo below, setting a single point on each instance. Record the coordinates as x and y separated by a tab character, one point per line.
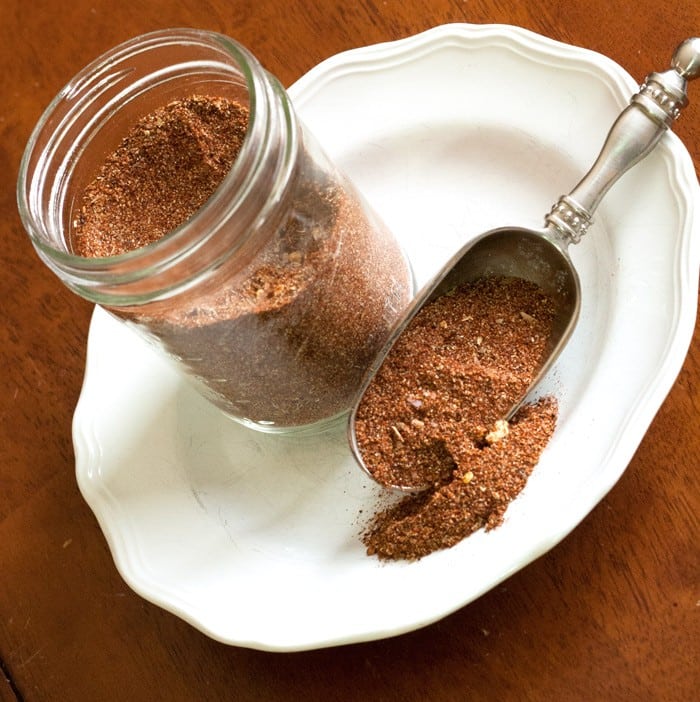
283	338
431	418
165	169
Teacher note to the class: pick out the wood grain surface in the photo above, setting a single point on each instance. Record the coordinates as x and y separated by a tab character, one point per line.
611	613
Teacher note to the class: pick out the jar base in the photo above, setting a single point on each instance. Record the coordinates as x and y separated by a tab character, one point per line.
322	426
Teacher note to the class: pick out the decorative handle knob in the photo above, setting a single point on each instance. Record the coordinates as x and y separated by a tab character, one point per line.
634	134
686	59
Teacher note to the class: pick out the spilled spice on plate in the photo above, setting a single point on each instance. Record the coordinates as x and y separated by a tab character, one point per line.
433	415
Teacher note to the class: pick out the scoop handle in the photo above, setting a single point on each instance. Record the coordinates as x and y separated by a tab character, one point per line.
634	134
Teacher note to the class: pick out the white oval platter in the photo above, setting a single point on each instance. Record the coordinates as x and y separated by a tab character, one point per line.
253	538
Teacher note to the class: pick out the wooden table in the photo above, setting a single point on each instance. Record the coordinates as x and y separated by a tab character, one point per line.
609	614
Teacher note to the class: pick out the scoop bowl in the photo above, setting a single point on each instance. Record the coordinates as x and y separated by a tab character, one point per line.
541	256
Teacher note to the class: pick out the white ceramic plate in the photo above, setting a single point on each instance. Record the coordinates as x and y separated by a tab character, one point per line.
254	538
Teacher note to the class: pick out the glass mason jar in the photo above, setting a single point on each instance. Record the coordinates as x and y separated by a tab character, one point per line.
278	292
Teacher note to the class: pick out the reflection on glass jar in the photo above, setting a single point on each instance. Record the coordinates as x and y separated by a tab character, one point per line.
172	183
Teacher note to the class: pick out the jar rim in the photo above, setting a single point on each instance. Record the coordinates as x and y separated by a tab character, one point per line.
95	77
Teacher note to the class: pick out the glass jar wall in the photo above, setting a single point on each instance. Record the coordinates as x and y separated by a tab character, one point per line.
277	291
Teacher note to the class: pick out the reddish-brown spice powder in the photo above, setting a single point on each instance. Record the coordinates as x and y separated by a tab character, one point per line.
165	169
286	339
428	417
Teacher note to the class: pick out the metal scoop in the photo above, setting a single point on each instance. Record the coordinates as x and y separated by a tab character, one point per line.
540	256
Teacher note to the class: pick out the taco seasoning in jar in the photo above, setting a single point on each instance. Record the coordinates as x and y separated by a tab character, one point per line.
172	183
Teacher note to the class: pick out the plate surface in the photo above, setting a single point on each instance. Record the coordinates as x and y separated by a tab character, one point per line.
254	538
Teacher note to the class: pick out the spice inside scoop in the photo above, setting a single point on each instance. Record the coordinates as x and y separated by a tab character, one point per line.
458	367
432	416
